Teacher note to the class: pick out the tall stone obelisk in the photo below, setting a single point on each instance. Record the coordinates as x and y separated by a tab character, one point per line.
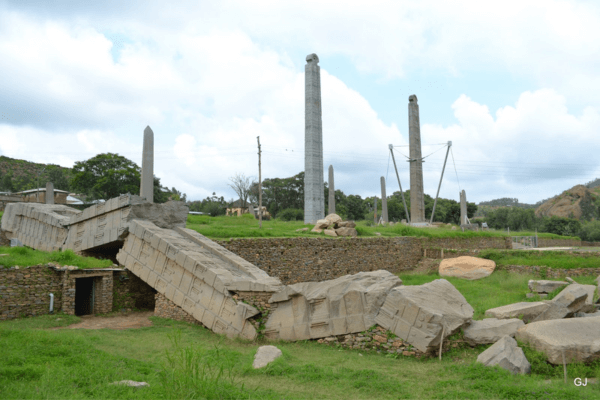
147	181
384	212
49	193
331	192
463	207
314	197
417	198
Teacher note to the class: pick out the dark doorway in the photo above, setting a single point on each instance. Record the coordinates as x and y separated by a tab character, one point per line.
84	296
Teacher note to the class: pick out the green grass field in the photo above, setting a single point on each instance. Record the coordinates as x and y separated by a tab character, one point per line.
246	226
25	256
180	361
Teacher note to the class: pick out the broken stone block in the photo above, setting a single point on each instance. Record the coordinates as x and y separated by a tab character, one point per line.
350	232
571	300
491	330
330	232
312	310
542	295
322	224
418	314
577	337
507	355
265	355
545	286
196	274
345	224
467	267
40	226
333	219
528	310
587	315
106	223
589	302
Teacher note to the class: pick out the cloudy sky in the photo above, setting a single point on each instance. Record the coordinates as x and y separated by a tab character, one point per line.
515	87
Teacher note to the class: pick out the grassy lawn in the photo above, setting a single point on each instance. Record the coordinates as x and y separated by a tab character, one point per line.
551	259
179	361
246	226
24	257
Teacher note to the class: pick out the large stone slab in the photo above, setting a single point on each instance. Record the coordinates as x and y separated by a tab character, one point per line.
311	310
467	267
528	310
545	286
578	338
490	330
105	223
40	226
569	301
507	355
196	274
420	314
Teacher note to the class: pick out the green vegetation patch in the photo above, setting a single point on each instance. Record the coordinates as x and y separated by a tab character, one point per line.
26	257
550	259
246	226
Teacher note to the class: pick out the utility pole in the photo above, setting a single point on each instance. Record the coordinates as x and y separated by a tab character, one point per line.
259	187
399	184
440	185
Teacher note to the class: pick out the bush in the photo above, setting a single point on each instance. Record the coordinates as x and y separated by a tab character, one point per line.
590	232
291	214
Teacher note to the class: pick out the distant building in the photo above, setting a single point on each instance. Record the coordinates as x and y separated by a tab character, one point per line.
237	209
39	196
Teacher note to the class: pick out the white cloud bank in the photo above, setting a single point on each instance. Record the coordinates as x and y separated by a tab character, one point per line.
208	89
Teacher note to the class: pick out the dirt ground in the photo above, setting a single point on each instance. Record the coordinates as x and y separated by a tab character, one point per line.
132	320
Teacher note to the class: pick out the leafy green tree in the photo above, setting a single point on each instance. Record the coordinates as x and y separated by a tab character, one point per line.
7	183
562	226
57	177
590	231
106	176
356	207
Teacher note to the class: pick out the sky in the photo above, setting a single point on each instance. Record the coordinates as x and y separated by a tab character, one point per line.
515	86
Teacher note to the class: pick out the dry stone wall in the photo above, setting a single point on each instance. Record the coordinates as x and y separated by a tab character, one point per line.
296	260
25	291
165	308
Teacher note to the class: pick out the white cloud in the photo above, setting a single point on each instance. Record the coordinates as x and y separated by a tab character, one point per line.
239	76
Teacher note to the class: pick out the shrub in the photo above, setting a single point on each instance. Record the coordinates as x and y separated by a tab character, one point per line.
291	214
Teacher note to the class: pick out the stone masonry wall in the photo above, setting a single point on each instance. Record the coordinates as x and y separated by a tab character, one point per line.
103	298
130	292
165	308
26	291
296	260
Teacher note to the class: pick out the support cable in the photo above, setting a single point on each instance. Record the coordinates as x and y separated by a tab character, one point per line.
455	170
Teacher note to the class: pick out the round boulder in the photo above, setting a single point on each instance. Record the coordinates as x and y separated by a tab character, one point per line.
333	218
467	267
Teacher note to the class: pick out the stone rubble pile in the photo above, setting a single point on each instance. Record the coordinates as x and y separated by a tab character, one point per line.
332	225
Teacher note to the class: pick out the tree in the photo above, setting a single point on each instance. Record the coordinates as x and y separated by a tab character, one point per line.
241	186
356	208
7	183
57	177
106	176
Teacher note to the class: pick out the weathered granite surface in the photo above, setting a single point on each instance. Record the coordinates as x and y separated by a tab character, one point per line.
578	338
311	310
420	314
